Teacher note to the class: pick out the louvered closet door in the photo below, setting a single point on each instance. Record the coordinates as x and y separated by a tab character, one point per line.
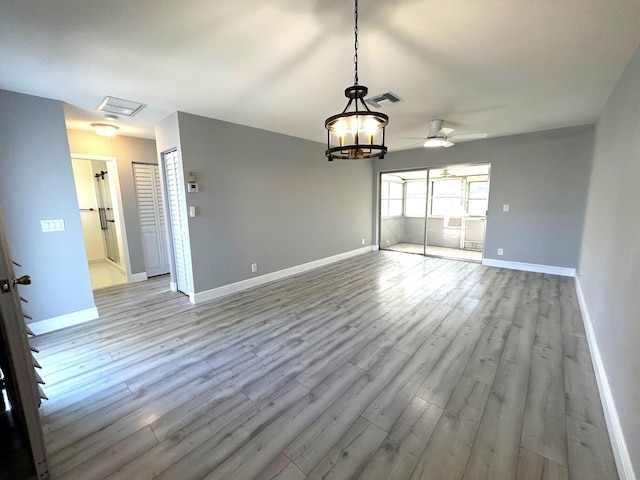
151	215
177	208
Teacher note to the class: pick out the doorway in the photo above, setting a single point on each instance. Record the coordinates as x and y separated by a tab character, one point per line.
438	211
97	189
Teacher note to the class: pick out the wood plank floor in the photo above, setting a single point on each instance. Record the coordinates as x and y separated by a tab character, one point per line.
383	366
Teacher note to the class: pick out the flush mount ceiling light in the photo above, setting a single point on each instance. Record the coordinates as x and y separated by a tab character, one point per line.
104	129
357	132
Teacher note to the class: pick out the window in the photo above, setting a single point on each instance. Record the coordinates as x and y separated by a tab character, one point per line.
391	199
446	197
478	198
415	204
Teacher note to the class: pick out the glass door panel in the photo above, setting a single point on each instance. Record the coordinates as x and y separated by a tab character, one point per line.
436	211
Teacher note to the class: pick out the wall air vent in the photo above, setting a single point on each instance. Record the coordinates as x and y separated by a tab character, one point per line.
379	101
120	107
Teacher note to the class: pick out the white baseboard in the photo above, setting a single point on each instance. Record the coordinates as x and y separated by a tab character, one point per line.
173	286
616	435
225	290
137	277
530	267
64	321
375	248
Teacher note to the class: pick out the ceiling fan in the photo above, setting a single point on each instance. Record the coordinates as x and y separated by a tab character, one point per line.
440	136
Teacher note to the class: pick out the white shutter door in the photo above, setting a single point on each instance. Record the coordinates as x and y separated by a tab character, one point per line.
162	225
178	220
151	219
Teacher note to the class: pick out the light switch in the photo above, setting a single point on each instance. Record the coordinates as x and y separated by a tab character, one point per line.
56	225
192	211
505	207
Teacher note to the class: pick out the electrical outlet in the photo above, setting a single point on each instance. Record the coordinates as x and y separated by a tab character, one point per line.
505	207
363	241
500	251
254	267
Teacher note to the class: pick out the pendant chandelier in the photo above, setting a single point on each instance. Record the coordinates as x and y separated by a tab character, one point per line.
357	132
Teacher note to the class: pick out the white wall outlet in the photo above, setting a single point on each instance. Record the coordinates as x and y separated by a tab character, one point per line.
192	211
363	241
254	267
56	225
500	251
505	207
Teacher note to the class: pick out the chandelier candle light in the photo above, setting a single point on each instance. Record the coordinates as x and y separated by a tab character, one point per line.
357	133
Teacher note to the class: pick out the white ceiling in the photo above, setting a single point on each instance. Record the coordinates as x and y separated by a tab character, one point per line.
496	66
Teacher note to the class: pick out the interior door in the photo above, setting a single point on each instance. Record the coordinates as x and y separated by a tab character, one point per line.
18	364
151	217
177	209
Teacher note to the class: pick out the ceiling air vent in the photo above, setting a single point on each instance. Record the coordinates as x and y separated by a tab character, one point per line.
379	101
120	107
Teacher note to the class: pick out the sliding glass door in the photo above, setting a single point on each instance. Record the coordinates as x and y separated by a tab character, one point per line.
435	211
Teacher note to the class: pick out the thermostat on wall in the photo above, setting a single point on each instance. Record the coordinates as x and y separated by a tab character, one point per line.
192	187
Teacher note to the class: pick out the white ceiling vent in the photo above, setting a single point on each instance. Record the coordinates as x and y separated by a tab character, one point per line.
120	107
379	101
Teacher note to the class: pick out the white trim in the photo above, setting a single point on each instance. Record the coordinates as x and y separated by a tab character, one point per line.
225	290
173	286
530	267
614	427
375	248
64	321
137	277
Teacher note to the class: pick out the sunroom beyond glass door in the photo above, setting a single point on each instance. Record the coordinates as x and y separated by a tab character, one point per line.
436	211
403	200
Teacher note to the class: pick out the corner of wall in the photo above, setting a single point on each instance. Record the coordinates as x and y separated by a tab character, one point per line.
614	425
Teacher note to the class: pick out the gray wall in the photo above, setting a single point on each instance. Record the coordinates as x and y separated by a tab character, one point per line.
265	198
36	183
543	176
127	150
610	260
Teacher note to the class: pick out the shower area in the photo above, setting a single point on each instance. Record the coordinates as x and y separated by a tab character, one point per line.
439	211
95	190
105	215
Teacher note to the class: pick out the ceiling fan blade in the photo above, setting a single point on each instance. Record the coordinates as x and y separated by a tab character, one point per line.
448	144
446	131
469	136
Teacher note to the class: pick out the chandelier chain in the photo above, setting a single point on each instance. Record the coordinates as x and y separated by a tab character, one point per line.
355	45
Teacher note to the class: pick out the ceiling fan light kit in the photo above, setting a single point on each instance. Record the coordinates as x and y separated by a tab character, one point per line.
357	132
440	136
435	142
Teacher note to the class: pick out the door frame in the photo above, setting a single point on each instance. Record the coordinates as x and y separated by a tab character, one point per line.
427	168
118	213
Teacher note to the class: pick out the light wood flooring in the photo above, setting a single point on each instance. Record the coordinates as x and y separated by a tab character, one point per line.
383	366
443	252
